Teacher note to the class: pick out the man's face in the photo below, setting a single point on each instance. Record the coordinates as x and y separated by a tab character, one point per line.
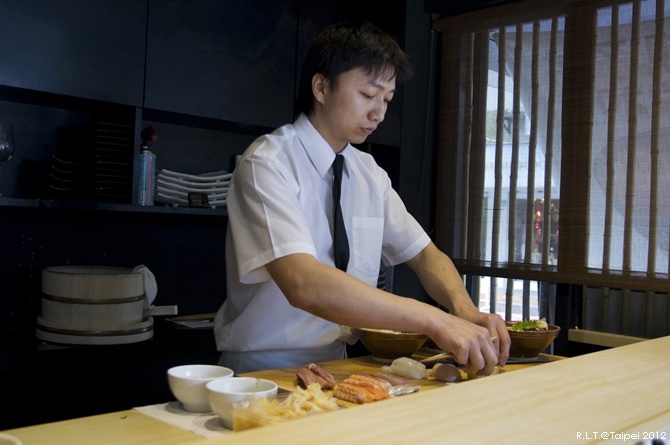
351	110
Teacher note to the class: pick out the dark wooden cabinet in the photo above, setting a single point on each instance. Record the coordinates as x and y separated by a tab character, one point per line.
211	75
89	380
80	48
233	61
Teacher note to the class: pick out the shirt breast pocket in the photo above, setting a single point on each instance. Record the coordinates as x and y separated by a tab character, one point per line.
368	233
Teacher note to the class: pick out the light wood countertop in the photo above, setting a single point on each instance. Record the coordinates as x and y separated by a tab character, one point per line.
626	389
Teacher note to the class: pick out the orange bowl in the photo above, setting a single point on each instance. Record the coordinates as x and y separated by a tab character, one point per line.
529	344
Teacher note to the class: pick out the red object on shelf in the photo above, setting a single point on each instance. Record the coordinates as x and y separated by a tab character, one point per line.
149	134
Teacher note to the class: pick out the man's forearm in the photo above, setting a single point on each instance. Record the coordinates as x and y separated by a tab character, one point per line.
441	280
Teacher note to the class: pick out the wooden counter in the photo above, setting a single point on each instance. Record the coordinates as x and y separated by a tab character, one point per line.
618	390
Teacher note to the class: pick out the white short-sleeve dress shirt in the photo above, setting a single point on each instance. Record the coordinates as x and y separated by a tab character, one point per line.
280	203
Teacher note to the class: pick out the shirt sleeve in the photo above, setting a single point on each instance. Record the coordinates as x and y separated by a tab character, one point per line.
265	217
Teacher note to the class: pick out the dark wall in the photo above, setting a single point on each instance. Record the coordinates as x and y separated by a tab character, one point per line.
184	250
449	7
416	184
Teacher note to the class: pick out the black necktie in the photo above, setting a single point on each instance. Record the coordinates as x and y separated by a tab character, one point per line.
340	242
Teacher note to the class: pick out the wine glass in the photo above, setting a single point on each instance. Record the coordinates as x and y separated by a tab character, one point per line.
6	144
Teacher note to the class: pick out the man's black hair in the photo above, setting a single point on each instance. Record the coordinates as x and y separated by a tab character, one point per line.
346	46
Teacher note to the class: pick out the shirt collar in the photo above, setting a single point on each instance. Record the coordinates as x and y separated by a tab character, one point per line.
318	150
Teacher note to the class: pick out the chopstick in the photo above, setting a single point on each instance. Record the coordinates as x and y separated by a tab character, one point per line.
445	355
437	357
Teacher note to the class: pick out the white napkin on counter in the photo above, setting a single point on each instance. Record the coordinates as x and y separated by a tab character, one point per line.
207	425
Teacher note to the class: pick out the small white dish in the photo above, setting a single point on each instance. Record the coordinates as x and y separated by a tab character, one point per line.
183	188
170	199
191	185
205	177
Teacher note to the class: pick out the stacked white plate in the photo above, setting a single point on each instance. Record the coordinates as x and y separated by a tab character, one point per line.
172	188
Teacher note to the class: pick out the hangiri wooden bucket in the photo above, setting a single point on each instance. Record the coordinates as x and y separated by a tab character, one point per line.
93	305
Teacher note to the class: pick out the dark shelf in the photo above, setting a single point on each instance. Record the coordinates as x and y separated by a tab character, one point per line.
54	100
18	202
109	207
207	123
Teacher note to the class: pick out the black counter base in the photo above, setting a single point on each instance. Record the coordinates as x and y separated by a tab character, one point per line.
59	382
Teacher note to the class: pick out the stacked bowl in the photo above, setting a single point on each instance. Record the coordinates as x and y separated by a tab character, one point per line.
188	384
172	188
213	388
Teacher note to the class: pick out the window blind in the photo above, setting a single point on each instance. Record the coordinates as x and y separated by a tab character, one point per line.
552	156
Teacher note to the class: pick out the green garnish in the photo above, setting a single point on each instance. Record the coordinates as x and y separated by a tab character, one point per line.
530	325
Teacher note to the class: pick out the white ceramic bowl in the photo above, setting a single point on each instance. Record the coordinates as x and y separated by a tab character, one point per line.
187	383
223	394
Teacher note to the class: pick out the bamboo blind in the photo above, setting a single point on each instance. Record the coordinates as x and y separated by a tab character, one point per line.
551	63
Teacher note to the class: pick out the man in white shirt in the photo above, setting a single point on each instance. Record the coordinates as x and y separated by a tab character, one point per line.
287	304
